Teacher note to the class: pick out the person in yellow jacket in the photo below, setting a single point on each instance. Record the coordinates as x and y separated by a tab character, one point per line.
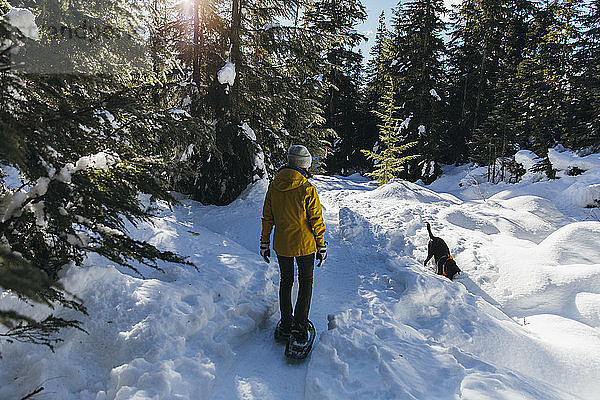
292	206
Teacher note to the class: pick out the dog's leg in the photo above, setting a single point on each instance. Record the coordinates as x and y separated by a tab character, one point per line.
429	252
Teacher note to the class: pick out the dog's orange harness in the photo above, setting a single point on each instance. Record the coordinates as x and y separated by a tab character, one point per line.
445	259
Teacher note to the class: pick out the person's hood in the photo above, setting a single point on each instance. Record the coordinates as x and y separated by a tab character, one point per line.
288	179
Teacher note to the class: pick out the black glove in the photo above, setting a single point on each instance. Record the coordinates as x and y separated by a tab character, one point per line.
265	252
321	255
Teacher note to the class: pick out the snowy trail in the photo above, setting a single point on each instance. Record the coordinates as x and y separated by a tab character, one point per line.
259	369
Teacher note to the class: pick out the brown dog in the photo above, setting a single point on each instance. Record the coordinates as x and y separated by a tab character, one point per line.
438	249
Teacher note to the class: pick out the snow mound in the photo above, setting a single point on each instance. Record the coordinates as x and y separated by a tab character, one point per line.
471	221
564	160
410	192
534	204
530	218
576	243
561	160
526	158
588	305
411	331
583	194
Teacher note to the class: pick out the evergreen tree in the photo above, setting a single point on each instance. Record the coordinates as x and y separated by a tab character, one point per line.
544	76
497	136
276	92
84	147
478	30
417	49
389	159
377	78
584	131
342	98
377	70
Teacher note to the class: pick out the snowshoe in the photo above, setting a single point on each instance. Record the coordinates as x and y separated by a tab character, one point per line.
297	348
281	335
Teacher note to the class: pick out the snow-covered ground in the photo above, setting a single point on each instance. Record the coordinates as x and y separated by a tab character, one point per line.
521	322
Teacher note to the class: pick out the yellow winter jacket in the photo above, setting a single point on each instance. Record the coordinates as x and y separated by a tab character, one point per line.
292	206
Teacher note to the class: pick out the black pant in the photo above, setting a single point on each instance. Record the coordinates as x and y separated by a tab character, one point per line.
306	265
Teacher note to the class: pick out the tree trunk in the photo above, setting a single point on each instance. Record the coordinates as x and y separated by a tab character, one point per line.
196	62
236	27
503	155
481	80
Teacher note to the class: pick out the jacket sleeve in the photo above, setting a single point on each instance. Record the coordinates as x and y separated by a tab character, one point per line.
267	220
314	214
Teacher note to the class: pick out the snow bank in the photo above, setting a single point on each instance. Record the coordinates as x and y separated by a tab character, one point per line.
564	160
526	158
520	307
414	338
168	336
583	194
560	158
576	243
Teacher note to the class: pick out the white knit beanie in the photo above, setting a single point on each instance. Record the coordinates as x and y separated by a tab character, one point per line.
298	156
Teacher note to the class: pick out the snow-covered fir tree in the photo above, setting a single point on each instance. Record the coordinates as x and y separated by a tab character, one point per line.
85	147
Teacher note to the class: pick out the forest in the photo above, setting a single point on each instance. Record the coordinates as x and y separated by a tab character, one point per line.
103	101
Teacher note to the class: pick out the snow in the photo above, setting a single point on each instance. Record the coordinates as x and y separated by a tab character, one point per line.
526	158
99	160
189	151
405	123
16	198
14	205
248	132
258	163
109	117
179	113
434	94
24	20
271	25
563	160
521	322
226	74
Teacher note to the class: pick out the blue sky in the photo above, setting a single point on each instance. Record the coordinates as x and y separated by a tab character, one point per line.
374	8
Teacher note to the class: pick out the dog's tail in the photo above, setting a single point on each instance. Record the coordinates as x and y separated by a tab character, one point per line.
429	230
